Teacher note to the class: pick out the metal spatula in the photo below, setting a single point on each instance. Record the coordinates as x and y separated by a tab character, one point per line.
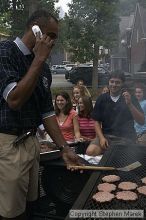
129	167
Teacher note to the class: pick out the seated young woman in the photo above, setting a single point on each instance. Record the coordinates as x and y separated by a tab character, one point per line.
67	117
86	123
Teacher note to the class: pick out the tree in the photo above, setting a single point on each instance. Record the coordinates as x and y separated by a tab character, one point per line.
91	24
14	13
4	26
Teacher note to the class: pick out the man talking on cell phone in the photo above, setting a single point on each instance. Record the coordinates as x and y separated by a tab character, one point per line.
26	102
114	114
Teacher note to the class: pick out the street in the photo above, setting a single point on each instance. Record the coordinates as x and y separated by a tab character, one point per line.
58	80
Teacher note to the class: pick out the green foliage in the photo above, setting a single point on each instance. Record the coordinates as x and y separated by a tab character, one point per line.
49	5
90	23
14	13
4	25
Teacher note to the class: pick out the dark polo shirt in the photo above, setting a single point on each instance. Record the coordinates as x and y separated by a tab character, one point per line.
115	117
15	60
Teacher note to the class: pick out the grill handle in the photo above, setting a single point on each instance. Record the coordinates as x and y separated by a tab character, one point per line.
92	168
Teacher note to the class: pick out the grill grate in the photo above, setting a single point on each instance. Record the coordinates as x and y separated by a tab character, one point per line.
117	156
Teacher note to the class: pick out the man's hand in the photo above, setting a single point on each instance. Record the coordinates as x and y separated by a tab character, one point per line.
103	143
70	157
127	97
43	47
138	115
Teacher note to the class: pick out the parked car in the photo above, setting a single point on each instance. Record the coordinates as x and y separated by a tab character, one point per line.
84	73
67	75
53	67
69	66
59	69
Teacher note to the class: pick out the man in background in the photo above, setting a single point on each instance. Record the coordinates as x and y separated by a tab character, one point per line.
114	114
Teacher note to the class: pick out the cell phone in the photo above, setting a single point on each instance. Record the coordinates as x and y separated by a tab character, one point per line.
37	31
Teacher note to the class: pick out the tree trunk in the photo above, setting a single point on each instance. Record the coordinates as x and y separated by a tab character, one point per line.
95	69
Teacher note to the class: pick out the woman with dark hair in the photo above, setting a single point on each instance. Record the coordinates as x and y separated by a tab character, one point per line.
86	123
67	117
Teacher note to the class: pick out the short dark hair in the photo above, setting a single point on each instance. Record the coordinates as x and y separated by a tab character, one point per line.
68	106
117	74
39	15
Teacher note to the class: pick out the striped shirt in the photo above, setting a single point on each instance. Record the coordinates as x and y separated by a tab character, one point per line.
87	127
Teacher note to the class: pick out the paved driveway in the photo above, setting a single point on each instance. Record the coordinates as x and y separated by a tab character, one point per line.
58	80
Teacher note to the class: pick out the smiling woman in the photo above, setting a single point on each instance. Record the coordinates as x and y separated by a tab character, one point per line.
66	117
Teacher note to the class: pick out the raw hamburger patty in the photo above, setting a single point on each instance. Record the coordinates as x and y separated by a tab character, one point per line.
110	178
127	186
143	180
103	197
106	187
142	190
126	195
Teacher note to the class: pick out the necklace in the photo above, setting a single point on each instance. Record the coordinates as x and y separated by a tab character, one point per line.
61	119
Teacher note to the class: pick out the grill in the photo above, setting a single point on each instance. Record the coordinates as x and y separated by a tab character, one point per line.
117	156
59	188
